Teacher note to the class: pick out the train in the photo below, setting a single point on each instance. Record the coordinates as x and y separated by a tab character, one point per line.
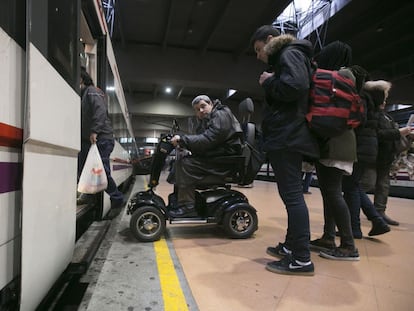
43	44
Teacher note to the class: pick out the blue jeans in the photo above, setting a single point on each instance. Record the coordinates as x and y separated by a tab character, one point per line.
335	209
105	147
356	197
287	167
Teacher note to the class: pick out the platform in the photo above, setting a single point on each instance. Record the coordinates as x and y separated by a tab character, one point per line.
195	267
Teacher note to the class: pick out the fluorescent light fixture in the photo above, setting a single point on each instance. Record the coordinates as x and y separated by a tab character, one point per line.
110	88
168	90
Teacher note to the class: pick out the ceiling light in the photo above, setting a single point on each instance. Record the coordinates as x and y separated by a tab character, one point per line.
168	90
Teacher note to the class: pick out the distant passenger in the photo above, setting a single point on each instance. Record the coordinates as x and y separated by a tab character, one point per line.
217	134
367	151
96	129
389	135
338	155
287	139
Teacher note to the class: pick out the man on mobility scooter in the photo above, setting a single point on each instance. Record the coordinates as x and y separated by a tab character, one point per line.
220	135
218	155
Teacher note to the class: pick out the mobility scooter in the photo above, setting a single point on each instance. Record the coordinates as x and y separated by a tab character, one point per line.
215	203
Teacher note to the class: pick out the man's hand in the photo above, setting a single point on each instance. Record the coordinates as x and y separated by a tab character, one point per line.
265	75
92	138
175	140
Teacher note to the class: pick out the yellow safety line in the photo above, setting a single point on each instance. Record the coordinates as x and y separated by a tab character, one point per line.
172	293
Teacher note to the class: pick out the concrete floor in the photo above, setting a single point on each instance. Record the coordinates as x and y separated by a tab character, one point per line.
217	273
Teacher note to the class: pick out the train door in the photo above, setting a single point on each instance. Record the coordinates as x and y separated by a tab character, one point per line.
50	145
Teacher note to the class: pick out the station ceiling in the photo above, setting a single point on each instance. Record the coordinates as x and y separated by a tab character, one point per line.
203	47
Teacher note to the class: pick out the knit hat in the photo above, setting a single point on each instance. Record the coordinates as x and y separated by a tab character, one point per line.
378	90
199	98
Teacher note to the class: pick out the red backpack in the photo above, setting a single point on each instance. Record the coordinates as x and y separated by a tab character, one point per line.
334	104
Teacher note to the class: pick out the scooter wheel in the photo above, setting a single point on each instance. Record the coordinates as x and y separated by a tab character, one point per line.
240	223
147	224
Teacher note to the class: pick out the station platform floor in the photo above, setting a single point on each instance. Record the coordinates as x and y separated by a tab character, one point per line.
196	267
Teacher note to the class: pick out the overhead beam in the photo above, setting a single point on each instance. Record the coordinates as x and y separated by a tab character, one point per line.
168	23
215	23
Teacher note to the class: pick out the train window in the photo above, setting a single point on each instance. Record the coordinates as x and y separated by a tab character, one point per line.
55	32
13	20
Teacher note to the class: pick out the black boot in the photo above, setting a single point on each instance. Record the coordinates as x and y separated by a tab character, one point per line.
183	211
379	226
388	220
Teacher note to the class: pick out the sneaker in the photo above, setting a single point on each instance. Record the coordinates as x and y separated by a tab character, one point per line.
279	251
288	265
340	254
321	245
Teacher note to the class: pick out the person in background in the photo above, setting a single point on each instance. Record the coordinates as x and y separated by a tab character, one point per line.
217	134
96	129
367	150
338	155
287	139
389	135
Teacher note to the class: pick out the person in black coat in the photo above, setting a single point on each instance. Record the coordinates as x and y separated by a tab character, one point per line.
218	133
96	128
367	151
388	133
287	139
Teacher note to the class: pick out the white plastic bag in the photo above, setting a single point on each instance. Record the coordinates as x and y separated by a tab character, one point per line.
93	177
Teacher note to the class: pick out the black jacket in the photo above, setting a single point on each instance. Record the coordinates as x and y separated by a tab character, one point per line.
388	137
219	135
94	114
287	93
366	134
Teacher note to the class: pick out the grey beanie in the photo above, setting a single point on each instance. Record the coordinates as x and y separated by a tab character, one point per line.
197	99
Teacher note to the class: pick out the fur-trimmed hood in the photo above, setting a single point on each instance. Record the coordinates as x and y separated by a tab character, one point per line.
277	44
379	85
378	90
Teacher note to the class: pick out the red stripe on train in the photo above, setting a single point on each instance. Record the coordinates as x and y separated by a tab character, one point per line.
10	136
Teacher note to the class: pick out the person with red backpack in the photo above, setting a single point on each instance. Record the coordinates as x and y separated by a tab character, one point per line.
338	155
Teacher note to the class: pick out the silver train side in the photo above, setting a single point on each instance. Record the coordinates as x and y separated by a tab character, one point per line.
39	138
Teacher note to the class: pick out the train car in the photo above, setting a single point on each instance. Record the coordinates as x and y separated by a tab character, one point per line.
40	59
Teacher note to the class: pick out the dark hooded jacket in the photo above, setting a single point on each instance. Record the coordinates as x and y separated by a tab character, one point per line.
219	135
387	129
366	134
287	93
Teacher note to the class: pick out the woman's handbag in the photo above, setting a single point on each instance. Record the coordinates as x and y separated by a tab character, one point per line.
93	177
